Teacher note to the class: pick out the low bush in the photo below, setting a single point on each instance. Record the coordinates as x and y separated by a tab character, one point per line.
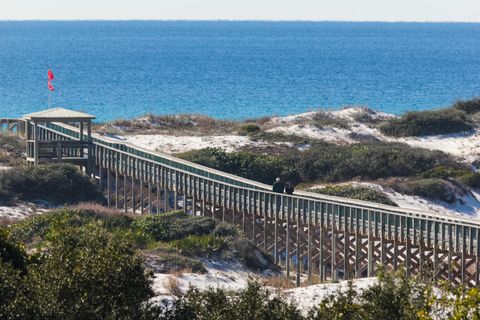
356	192
323	119
225	230
326	162
12	144
332	163
259	167
468	106
173	225
471	179
58	183
253	302
167	260
429	188
251	256
443	172
426	123
205	245
84	272
249	129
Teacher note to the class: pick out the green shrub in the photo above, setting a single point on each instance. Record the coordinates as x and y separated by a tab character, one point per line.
249	129
356	192
253	302
88	259
167	259
259	167
429	188
471	179
332	163
12	144
15	302
225	230
327	162
251	256
173	225
84	272
200	245
468	106
443	172
58	183
426	123
323	119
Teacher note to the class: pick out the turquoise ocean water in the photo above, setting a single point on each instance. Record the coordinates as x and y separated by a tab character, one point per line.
235	70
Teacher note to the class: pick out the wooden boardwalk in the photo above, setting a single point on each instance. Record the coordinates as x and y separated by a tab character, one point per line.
322	237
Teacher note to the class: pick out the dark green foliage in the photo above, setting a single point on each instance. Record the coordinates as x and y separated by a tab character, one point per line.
325	119
87	273
225	230
259	167
249	129
339	306
367	160
15	301
395	297
251	256
463	176
429	188
254	302
205	245
83	272
443	172
168	259
468	106
356	192
326	162
427	123
471	179
173	225
11	143
38	227
59	183
10	253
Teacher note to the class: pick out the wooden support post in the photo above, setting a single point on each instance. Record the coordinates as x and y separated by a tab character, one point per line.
299	225
254	217
463	254
117	191
370	246
133	195
35	143
265	221
309	244
477	257
125	198
289	215
358	242
321	262
150	211
109	189
275	245
450	250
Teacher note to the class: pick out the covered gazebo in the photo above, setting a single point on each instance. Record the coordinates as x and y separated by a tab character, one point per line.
45	146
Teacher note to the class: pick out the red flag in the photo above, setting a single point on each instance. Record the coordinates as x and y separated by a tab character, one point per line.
50	86
50	75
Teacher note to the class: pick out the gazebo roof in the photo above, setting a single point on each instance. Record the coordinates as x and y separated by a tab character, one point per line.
58	114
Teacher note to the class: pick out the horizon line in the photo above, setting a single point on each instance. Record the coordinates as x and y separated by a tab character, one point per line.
236	20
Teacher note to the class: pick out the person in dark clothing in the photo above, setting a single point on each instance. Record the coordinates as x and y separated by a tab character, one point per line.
278	186
289	188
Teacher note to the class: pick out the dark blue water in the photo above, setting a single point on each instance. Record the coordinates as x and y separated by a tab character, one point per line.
235	69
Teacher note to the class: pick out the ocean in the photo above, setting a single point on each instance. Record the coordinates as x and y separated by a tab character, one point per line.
235	70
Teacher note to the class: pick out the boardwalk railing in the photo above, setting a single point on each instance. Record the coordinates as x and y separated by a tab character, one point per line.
328	238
